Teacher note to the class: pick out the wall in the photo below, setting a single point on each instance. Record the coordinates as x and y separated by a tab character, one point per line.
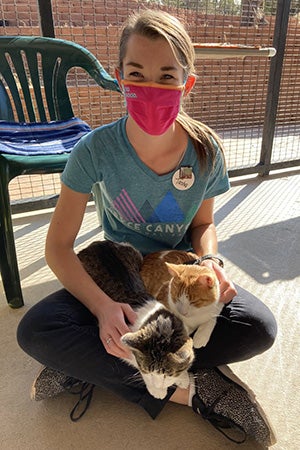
228	93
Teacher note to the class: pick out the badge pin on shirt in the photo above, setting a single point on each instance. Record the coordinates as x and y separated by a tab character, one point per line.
183	178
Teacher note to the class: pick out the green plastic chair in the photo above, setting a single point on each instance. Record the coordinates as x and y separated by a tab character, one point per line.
33	89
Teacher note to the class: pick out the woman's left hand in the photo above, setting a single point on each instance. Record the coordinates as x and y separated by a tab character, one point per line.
227	289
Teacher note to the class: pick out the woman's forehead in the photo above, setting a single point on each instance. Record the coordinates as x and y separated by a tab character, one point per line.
143	51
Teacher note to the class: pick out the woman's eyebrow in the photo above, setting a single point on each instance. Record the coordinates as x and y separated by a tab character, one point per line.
134	64
168	68
140	66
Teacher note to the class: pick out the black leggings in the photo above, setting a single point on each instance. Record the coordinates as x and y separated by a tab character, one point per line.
61	333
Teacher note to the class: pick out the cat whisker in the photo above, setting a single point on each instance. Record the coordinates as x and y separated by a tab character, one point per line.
135	379
235	321
242	323
135	375
192	384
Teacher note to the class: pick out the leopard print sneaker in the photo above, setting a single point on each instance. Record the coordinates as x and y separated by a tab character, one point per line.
49	383
230	406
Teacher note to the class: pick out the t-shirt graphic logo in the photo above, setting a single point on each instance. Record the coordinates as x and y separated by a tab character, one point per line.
167	210
127	209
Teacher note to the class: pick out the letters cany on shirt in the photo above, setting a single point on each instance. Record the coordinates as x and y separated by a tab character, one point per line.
139	206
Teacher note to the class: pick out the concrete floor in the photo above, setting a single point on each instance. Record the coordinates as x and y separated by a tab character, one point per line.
258	229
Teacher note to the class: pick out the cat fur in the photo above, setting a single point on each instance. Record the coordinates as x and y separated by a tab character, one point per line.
161	348
190	291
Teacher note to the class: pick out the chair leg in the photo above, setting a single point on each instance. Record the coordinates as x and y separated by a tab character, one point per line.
8	258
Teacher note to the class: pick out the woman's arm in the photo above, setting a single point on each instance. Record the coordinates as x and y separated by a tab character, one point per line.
204	241
63	261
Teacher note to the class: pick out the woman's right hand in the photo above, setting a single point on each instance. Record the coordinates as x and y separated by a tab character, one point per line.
113	320
113	317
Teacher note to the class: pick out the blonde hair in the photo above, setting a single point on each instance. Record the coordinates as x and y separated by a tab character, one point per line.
155	24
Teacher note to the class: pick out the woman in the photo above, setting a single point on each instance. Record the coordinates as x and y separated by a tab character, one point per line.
158	172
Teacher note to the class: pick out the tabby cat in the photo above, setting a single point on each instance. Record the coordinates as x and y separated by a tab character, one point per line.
161	348
190	291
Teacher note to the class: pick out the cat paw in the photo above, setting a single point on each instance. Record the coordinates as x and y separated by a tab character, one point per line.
200	341
158	393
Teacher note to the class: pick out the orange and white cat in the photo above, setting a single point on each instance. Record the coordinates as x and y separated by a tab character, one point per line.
161	348
189	290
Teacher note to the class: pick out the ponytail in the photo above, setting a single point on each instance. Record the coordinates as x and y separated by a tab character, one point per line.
205	140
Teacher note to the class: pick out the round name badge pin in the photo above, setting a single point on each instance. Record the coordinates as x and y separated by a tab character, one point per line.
183	178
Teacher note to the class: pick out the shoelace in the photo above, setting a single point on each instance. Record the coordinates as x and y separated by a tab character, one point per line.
218	420
85	392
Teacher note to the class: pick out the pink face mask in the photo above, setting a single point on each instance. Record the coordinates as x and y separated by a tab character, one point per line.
154	107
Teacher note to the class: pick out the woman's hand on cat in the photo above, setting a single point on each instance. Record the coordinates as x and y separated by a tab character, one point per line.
227	289
113	320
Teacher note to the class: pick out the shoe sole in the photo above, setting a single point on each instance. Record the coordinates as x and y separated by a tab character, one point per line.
227	372
39	379
33	387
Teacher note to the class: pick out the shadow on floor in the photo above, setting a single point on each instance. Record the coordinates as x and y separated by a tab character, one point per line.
265	253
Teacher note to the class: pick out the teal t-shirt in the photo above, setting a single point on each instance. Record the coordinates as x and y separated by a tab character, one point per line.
152	212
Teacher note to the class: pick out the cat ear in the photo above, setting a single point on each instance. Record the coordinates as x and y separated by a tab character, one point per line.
185	353
132	340
173	269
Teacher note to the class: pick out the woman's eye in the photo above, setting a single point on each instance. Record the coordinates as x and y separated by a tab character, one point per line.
135	74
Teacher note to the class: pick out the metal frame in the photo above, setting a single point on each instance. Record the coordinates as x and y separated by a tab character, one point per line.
279	42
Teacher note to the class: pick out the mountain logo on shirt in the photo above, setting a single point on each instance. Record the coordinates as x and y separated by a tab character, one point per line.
167	211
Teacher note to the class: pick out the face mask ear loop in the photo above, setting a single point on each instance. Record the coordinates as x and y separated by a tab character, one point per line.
119	76
189	83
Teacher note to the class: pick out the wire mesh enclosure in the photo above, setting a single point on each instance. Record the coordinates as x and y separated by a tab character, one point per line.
231	95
